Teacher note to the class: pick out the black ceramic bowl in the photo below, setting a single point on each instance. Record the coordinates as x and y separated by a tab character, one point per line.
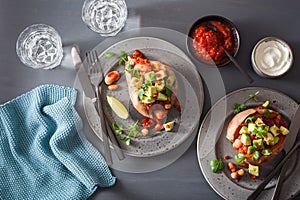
234	35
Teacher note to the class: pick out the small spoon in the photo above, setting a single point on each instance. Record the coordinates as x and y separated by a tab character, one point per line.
249	79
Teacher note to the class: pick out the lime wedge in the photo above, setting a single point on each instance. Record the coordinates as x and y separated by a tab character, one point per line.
118	107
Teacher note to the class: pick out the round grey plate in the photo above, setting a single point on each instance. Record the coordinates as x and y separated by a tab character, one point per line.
213	131
190	95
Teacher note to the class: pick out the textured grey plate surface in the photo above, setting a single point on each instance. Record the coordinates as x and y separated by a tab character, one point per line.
213	131
190	96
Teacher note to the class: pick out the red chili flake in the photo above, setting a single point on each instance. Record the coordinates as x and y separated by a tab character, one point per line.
226	157
158	75
245	149
253	177
245	164
158	82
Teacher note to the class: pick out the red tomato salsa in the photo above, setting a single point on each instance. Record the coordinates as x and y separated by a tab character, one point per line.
208	44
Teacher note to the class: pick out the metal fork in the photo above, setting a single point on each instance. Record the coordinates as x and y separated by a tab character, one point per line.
97	77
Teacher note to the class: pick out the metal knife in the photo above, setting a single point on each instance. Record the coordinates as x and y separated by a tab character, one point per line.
294	129
82	74
90	93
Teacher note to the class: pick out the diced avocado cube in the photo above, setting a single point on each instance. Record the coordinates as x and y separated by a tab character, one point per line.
150	91
160	85
148	99
266	152
266	104
141	94
284	130
269	138
258	144
251	127
274	130
259	122
161	97
245	139
160	74
275	141
156	66
253	170
169	126
170	81
136	82
150	76
244	130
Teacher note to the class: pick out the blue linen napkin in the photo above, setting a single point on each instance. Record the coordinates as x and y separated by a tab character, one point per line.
43	152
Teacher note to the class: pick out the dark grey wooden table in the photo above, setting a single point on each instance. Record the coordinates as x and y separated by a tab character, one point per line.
183	178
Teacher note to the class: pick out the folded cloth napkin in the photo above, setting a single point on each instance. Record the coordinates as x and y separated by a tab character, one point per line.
43	152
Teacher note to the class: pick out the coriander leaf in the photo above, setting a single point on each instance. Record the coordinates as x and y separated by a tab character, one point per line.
128	141
266	152
129	68
267	113
136	74
238	107
249	119
216	165
239	158
256	155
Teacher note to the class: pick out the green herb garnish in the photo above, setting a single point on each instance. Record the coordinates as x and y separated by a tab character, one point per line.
256	155
249	119
132	129
216	165
267	113
266	152
136	74
123	58
239	158
129	68
238	107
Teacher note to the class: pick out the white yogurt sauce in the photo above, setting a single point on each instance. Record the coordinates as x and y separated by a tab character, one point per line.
273	58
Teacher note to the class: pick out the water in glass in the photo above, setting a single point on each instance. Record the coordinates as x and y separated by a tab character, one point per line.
106	17
39	46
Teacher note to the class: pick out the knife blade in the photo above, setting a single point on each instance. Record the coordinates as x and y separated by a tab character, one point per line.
82	74
294	129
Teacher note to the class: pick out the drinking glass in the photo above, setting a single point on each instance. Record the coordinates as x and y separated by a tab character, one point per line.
106	17
39	46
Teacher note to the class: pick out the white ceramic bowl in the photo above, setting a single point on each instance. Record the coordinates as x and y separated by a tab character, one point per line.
271	57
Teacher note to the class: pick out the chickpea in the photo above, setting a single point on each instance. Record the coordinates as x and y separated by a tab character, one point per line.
234	175
111	77
158	127
231	167
241	172
168	106
113	87
237	144
145	132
